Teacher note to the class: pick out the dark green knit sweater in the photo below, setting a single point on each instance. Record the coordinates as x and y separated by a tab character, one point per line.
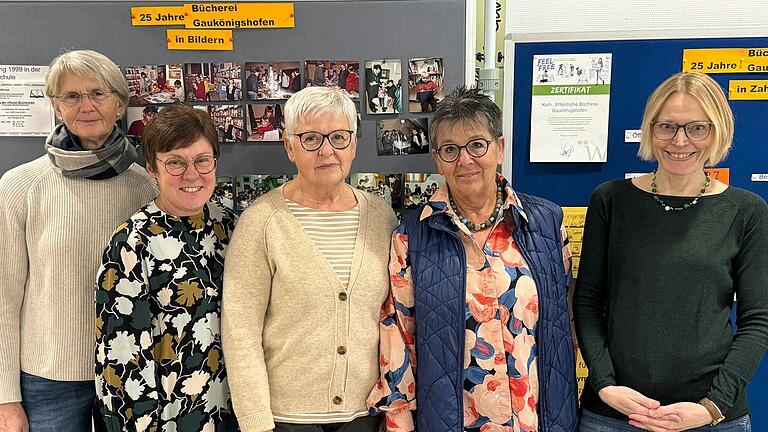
655	291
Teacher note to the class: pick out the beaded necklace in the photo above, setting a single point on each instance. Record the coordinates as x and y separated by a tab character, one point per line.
488	222
668	207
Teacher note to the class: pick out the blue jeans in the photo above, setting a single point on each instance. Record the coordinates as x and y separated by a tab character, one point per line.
60	406
591	422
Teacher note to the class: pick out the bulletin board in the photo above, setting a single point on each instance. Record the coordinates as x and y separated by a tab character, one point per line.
36	32
638	66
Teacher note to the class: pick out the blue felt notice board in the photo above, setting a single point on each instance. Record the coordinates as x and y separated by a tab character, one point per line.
638	66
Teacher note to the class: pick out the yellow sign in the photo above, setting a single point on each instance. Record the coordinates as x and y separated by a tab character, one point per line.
573	221
162	15
581	372
725	60
748	89
239	15
217	40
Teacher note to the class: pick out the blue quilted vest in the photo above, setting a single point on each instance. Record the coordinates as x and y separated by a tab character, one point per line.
437	260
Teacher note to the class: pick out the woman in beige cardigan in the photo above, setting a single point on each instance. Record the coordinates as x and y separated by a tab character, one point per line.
305	277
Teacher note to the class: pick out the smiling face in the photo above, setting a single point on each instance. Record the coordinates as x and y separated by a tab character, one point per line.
326	167
184	195
469	176
681	156
90	121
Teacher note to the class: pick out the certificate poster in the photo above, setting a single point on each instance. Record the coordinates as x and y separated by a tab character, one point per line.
24	109
569	107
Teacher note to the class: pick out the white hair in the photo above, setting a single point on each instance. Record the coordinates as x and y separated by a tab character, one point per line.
317	101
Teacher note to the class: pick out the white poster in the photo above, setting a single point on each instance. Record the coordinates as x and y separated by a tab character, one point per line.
24	109
569	107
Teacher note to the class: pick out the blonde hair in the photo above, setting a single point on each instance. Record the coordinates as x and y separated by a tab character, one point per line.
710	96
87	64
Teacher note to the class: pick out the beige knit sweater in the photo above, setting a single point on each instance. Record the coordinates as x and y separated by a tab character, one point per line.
54	230
295	341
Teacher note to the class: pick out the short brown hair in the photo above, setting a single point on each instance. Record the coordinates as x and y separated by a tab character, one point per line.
174	127
710	96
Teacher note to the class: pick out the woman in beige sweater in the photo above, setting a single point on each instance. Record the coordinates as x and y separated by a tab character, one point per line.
56	214
305	277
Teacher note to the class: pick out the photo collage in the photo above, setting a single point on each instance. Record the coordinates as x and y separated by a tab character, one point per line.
403	191
246	102
232	91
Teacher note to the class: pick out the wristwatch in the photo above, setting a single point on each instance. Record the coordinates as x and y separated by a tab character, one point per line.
714	411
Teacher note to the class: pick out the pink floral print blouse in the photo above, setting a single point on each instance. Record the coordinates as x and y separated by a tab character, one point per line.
501	385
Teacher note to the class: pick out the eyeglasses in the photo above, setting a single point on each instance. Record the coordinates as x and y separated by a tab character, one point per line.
476	148
74	98
177	166
312	141
695	130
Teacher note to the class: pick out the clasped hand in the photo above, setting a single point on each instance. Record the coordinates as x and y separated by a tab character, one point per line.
648	414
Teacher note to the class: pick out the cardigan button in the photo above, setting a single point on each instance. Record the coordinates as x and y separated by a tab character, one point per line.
343	296
337	400
341	350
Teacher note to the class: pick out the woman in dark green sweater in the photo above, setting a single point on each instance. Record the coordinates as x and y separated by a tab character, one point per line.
662	258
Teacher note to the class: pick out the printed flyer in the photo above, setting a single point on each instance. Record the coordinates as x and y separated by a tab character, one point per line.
24	109
569	107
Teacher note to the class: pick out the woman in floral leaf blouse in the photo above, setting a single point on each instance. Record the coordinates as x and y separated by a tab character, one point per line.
159	364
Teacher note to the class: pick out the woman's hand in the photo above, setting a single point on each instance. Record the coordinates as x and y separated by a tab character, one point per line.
13	418
627	401
675	417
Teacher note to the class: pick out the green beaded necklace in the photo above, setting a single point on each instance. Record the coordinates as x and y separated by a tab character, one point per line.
668	207
488	222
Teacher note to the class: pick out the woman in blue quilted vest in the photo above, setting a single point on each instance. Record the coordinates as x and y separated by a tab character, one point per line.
478	295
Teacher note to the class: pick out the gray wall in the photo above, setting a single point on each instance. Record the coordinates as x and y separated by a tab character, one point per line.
35	32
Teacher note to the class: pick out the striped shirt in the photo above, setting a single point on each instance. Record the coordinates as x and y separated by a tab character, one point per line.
333	233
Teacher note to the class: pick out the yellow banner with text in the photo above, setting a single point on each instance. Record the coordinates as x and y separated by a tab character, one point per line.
748	89
158	15
215	40
239	15
725	60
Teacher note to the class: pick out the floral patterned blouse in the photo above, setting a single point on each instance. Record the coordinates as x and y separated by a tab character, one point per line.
159	363
501	385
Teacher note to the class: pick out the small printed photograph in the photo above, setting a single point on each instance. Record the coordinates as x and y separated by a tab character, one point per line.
382	86
155	84
386	185
419	188
425	84
250	187
227	81
402	136
268	81
265	122
229	122
344	74
572	69
137	118
198	83
224	194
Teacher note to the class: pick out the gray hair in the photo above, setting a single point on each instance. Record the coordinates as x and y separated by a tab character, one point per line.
465	105
318	101
87	64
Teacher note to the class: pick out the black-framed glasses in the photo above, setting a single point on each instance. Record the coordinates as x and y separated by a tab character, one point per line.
312	141
476	148
74	98
695	130
177	166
